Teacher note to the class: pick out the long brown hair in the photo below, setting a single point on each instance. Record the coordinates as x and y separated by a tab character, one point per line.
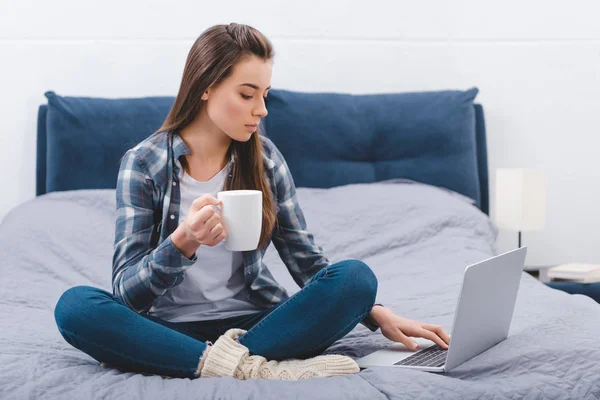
210	61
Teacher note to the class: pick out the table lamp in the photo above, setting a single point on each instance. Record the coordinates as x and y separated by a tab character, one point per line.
520	199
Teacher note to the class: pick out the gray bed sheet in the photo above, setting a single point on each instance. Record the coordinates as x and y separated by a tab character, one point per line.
417	239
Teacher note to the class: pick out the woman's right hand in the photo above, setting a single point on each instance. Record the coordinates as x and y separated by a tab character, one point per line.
203	224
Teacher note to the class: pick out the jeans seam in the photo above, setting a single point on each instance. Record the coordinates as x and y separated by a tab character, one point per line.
62	331
294	297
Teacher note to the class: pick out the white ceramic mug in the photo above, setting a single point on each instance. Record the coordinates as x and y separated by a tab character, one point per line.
241	213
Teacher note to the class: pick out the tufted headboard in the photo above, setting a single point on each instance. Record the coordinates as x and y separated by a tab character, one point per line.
327	139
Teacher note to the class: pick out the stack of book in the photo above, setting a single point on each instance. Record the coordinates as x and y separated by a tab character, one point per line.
583	273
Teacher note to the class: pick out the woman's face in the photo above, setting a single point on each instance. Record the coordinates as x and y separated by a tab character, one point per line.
237	104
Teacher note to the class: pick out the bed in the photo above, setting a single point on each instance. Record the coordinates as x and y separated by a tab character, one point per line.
398	181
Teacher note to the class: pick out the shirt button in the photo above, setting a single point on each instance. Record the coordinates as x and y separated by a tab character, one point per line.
174	183
172	216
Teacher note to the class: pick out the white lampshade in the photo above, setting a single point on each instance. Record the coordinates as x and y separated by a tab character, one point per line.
520	199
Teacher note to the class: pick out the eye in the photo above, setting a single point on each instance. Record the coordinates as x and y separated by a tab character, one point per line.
246	97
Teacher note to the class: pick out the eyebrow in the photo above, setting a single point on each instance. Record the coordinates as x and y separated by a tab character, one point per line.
253	86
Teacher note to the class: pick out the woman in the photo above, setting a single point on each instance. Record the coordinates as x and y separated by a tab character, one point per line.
176	288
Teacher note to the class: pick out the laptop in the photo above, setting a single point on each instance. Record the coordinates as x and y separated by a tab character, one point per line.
482	319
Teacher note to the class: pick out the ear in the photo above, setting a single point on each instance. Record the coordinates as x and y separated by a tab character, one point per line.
205	95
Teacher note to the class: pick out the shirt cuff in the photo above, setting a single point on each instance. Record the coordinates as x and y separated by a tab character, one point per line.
369	323
166	254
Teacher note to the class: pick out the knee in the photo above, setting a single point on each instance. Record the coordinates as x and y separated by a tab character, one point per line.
74	305
361	282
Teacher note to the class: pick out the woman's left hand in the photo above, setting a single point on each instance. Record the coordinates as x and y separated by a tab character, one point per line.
399	329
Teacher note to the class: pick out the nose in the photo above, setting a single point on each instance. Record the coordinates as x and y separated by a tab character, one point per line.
261	110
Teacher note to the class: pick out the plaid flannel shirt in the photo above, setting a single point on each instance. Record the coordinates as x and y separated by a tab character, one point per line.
146	264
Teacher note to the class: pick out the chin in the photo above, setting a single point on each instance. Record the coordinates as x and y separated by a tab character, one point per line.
243	138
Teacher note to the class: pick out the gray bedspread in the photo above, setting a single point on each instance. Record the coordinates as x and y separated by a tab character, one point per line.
417	239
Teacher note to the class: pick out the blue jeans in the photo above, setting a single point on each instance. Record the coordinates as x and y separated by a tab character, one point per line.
327	308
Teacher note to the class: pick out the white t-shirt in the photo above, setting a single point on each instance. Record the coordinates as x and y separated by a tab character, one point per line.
212	288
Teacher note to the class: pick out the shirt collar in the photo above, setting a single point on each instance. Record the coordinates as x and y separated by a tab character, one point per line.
181	149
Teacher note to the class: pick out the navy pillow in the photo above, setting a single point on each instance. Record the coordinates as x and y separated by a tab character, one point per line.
86	137
333	139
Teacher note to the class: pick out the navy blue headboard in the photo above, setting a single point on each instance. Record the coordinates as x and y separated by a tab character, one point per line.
482	162
76	111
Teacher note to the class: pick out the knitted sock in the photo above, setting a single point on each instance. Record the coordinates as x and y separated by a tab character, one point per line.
227	357
293	369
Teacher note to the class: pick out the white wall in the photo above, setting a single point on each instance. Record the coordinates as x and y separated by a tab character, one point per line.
537	65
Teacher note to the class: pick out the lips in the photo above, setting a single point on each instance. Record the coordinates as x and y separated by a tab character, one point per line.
251	128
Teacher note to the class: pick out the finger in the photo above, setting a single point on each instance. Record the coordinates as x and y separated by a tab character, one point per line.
194	221
439	331
202	201
433	337
211	222
220	237
216	231
405	340
202	228
198	219
205	215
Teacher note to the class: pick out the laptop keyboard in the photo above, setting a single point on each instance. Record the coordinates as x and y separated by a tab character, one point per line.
433	356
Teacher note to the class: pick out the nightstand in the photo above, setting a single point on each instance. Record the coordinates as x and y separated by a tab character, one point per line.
588	289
